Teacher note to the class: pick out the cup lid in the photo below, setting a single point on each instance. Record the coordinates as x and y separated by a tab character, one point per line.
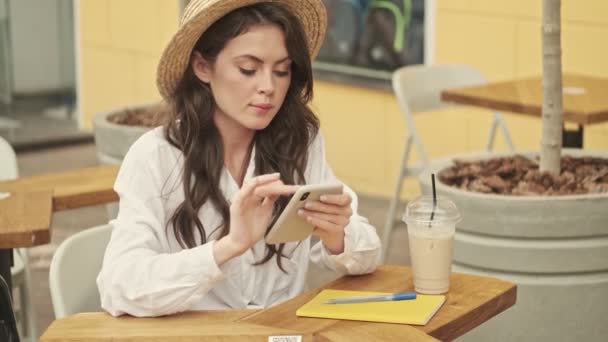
422	208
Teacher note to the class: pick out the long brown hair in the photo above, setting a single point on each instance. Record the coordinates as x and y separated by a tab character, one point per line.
280	147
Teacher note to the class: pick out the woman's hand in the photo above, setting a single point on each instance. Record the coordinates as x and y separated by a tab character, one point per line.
251	214
329	216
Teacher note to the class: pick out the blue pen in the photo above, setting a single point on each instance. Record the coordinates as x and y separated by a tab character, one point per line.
380	298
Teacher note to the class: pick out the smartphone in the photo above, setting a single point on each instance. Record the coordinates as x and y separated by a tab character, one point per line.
290	226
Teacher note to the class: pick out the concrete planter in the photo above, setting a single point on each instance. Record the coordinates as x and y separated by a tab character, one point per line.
112	142
554	248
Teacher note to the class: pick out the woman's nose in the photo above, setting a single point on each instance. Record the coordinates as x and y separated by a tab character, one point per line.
266	85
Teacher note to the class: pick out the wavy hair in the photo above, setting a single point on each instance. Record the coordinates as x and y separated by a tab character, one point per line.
280	147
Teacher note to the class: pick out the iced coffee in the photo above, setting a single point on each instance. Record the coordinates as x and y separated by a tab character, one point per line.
431	226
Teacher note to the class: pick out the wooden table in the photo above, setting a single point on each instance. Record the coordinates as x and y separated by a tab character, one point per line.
25	216
71	189
471	301
584	101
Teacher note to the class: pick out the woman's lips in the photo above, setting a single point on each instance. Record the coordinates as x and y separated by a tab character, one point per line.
262	108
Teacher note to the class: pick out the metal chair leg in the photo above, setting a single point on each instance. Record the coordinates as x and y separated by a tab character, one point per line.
390	218
499	122
492	136
28	314
505	133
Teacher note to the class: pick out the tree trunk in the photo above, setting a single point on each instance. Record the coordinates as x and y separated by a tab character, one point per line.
551	143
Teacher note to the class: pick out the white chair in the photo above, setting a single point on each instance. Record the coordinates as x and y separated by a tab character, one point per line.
8	158
74	269
418	89
20	272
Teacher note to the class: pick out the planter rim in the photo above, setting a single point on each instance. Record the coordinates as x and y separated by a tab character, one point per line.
101	118
441	164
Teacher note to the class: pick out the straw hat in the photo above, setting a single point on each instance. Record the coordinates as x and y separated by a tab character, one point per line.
200	14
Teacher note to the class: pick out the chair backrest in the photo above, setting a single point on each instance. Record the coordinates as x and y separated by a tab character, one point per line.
74	269
8	161
418	87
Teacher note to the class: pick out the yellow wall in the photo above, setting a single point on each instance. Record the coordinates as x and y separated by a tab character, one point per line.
119	45
364	128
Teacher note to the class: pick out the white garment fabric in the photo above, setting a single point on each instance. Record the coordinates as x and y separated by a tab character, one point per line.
146	272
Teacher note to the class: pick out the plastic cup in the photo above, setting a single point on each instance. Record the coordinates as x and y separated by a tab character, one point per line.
431	228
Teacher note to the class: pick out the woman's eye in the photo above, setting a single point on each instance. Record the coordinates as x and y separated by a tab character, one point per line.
247	72
282	73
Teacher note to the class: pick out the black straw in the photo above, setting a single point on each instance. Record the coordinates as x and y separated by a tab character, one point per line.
434	199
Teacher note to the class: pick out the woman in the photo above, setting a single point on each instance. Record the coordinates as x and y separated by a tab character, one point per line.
197	196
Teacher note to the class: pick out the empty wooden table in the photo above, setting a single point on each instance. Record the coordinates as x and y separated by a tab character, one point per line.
471	301
25	217
71	189
584	101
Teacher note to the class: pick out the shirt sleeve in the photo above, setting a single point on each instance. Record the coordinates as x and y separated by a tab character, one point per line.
140	275
362	248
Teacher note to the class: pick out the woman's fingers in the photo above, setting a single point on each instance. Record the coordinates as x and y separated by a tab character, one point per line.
328	208
323	226
329	216
250	185
339	200
275	188
338	220
262	190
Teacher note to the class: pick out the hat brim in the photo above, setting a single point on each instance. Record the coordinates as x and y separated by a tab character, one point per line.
176	56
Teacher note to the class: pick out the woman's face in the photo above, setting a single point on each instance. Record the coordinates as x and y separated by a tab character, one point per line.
249	79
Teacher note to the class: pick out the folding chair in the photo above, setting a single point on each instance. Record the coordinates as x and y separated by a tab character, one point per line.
418	89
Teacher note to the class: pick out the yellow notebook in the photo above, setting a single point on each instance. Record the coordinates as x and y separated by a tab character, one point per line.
413	311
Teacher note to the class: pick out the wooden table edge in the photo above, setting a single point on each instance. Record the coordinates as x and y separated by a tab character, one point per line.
457	329
36	238
66	197
236	313
413	334
85	199
37	234
453	95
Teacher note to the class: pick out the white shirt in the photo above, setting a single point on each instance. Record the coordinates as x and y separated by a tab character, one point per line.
146	272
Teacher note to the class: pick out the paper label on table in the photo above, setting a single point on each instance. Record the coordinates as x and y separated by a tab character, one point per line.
284	338
4	195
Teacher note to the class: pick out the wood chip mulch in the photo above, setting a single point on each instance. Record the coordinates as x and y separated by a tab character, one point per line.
519	176
152	116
